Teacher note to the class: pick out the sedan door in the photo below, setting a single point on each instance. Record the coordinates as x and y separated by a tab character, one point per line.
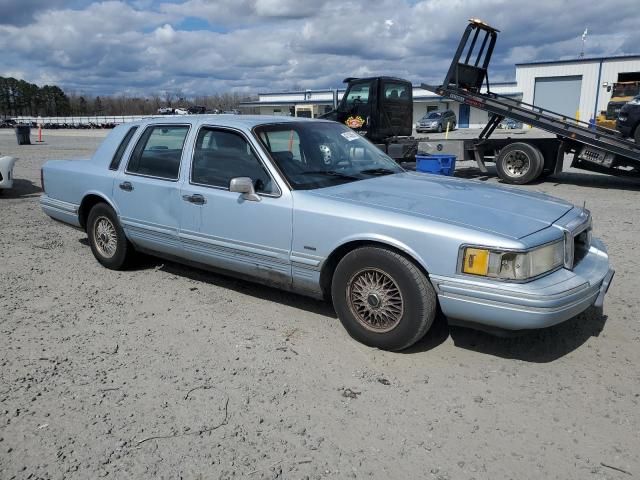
246	234
147	192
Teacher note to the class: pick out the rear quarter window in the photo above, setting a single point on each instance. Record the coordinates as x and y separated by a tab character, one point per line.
117	157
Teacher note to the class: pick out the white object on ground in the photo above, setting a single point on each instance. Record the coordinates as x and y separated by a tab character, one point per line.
6	171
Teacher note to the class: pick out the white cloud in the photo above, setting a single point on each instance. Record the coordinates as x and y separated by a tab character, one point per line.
146	46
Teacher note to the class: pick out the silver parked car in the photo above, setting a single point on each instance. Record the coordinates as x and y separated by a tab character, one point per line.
437	122
311	206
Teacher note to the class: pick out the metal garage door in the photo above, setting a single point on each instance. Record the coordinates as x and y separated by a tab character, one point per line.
558	94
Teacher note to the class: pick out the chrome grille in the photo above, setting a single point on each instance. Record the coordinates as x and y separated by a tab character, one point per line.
577	238
581	245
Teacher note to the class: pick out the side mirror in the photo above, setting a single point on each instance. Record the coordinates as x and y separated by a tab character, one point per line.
244	185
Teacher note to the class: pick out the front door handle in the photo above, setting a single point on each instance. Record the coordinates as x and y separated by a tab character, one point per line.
126	186
195	198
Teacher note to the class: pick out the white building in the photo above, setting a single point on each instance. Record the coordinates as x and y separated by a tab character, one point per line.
576	88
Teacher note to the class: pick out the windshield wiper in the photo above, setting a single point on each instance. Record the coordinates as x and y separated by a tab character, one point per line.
330	173
379	171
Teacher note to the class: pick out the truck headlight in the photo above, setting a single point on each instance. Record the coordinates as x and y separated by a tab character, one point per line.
507	265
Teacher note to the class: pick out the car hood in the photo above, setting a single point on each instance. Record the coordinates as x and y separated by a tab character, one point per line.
507	211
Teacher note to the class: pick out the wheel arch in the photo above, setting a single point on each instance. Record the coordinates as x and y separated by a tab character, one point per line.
328	267
89	200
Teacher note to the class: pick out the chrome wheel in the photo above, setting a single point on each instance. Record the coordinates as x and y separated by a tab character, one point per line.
517	163
105	236
375	300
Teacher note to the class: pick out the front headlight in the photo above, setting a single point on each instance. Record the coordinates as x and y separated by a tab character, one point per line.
512	265
635	101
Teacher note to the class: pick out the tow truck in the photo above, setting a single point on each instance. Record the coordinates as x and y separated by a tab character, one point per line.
369	107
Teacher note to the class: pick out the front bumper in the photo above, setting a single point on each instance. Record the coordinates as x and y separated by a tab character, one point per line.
540	303
63	211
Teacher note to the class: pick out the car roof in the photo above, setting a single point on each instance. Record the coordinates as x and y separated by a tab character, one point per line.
223	120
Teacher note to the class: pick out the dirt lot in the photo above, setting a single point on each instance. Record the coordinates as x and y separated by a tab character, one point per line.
169	372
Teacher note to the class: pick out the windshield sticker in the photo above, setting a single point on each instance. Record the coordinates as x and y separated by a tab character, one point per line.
355	122
350	136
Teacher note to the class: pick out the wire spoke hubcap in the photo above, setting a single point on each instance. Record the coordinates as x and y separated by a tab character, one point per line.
105	237
517	163
375	300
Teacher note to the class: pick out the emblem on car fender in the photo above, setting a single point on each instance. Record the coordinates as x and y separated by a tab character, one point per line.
355	122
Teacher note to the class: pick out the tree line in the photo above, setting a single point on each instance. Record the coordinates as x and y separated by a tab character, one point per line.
20	98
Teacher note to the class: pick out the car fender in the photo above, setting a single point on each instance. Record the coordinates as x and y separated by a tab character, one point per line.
103	196
385	240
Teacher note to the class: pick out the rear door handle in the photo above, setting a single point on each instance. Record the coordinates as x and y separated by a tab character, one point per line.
195	198
126	186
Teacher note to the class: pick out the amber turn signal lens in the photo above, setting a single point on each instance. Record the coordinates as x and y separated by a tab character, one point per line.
476	261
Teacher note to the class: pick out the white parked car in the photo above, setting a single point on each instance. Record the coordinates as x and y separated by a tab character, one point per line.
6	171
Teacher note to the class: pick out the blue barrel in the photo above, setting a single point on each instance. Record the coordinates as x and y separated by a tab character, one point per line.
440	164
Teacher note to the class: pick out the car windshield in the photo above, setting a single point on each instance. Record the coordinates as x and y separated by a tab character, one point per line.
432	116
322	154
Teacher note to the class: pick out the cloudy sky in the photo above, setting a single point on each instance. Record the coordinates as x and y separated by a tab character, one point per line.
212	46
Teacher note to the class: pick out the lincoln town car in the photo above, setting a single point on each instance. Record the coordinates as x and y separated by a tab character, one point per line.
312	207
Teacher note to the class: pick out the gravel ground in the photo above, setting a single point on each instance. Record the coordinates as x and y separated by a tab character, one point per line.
169	372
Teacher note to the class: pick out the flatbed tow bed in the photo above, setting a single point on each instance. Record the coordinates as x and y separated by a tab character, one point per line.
594	148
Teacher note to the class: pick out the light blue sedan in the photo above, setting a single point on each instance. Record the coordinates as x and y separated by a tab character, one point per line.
312	207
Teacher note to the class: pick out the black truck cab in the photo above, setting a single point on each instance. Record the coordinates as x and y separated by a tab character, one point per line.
378	108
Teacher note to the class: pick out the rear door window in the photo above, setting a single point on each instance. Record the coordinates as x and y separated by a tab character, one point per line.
159	151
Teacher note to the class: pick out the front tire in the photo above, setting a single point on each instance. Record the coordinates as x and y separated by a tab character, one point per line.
382	299
107	239
519	163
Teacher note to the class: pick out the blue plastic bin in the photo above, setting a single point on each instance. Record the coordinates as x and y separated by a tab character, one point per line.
440	164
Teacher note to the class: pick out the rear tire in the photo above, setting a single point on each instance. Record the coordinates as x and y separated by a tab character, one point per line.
382	299
107	239
519	163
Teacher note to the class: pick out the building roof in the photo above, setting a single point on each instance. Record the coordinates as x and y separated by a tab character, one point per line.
283	103
299	92
579	60
343	89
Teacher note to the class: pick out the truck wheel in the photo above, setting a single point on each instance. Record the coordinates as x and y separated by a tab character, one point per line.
382	299
519	163
107	239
